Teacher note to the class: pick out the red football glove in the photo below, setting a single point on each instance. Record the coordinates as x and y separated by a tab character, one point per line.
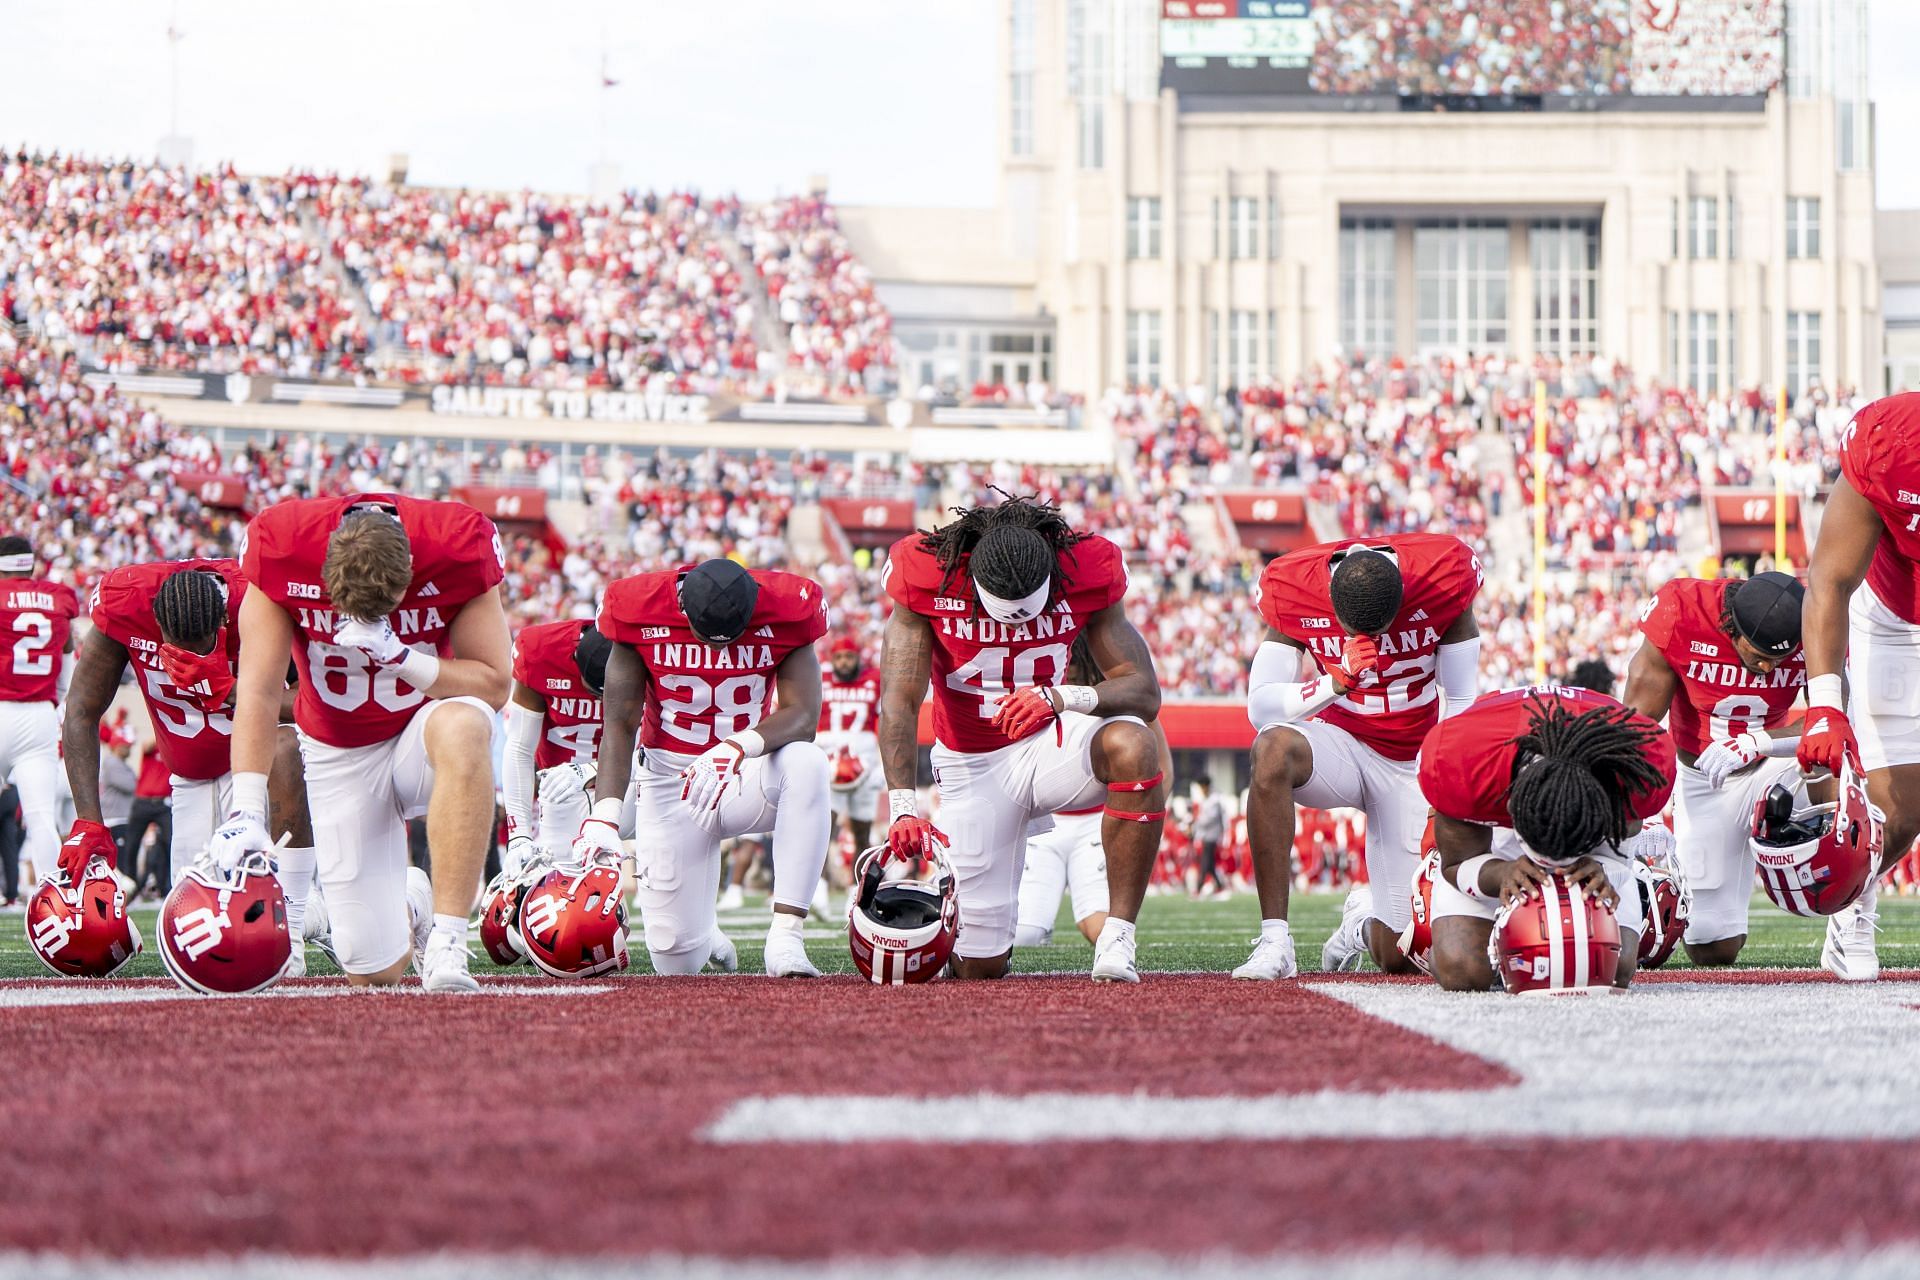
84	843
1024	712
1359	664
1826	740
912	836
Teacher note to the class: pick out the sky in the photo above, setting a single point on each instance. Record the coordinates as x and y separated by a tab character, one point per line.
891	100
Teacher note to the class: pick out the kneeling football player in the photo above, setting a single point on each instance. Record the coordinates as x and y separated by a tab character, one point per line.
553	738
1567	775
403	653
173	622
988	609
700	657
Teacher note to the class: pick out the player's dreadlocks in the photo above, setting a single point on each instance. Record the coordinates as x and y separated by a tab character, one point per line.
191	607
1573	774
1365	588
1014	545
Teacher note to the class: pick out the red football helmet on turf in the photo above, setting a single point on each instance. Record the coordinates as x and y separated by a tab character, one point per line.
1815	861
901	931
1665	903
847	771
1556	939
83	930
1416	940
571	922
225	932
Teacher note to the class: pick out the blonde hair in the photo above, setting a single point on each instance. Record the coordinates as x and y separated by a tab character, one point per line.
369	565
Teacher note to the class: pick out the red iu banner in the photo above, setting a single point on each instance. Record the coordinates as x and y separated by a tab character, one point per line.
215	489
506	504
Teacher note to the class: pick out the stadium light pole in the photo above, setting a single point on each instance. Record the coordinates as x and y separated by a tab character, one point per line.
1539	530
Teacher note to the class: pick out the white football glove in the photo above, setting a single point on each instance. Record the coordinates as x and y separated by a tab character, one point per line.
240	835
564	784
599	838
705	780
375	639
1730	755
1653	844
519	852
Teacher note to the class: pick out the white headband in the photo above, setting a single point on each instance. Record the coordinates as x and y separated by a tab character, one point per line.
18	562
1021	610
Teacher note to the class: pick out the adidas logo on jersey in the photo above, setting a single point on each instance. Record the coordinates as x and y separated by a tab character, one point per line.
429	590
765	633
1418	615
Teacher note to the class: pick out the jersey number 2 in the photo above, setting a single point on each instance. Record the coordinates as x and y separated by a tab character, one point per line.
33	651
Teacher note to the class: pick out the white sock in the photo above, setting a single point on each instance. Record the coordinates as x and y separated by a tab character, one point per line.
453	928
1116	929
1274	929
784	923
296	882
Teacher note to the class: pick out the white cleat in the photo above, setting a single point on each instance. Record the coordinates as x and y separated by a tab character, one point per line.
1272	958
725	956
317	928
1850	953
786	955
296	962
732	898
419	915
1348	945
1113	958
445	968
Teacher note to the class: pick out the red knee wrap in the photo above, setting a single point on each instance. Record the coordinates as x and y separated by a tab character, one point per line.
1151	815
1145	784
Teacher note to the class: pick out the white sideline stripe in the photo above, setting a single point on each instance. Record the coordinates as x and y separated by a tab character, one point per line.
33	994
1898	1263
1680	1060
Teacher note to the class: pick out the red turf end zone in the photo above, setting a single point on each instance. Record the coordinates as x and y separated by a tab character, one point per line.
382	1125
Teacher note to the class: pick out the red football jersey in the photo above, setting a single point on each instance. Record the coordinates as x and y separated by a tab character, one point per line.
849	706
700	693
543	661
1719	698
1466	766
195	744
976	660
1440	576
1880	457
345	698
38	617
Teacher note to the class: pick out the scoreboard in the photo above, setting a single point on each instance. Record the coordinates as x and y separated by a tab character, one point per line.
1236	46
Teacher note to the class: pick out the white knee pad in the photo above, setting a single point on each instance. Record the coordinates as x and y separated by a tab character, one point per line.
679	964
802	766
1032	935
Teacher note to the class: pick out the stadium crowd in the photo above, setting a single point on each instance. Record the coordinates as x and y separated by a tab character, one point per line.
1440	47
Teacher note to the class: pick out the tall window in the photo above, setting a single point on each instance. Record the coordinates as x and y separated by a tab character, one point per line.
1565	253
1089	71
1803	226
1143	348
1703	227
1143	226
1803	349
1460	269
1243	347
1366	286
1703	351
1806	32
1243	228
1020	68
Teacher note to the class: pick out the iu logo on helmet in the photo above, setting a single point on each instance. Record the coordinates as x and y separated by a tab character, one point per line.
540	913
200	930
50	933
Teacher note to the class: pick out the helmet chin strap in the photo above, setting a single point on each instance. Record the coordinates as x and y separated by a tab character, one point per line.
1024	609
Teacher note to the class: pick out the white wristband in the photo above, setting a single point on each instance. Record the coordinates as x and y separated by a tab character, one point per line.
419	668
1466	877
751	744
1078	697
606	810
902	802
1826	691
249	794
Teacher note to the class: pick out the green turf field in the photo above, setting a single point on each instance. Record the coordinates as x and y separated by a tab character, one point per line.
1175	933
